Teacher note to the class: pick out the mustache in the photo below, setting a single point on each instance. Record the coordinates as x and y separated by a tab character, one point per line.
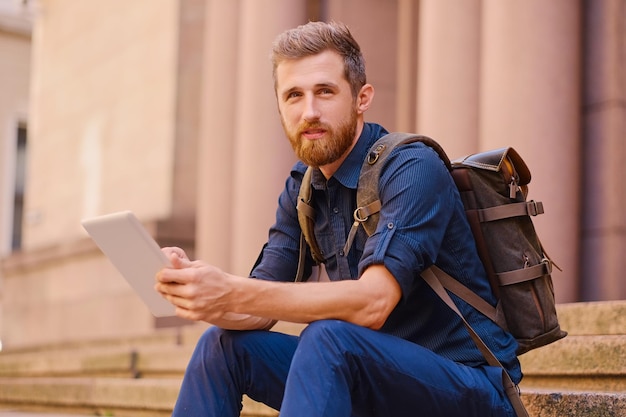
304	126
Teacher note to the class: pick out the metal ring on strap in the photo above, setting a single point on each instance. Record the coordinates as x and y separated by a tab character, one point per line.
373	156
361	214
358	217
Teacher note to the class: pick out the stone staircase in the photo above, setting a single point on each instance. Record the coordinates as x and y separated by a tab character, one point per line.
585	373
581	375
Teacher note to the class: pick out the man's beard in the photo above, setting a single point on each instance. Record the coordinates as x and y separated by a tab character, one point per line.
324	151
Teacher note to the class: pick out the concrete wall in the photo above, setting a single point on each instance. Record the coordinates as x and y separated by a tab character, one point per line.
103	106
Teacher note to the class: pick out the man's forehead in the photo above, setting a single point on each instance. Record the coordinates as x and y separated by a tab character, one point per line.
324	68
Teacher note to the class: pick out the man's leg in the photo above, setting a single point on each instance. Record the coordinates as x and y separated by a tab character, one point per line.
227	364
343	370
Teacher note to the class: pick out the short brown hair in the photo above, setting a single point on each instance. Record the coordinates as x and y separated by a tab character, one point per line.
316	37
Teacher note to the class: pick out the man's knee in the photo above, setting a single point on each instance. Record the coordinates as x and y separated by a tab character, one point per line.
330	336
327	328
210	335
217	341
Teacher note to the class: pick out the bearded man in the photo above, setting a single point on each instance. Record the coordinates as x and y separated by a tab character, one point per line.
379	342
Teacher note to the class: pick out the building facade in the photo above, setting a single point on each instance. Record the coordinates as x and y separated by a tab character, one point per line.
167	108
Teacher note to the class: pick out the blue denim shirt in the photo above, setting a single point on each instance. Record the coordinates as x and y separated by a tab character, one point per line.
422	221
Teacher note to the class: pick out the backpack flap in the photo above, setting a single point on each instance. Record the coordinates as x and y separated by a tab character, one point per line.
507	161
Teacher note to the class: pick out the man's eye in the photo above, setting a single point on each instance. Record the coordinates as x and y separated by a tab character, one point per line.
293	94
326	91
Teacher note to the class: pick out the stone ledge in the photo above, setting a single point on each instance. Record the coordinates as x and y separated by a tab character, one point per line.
97	393
121	396
156	397
110	362
593	318
166	353
574	404
576	355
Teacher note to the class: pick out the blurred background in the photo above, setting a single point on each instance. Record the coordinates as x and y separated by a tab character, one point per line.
166	108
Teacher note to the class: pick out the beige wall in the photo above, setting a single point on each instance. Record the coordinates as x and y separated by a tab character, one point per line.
166	108
104	96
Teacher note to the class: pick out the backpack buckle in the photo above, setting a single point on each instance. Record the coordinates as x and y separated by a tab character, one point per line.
373	156
360	217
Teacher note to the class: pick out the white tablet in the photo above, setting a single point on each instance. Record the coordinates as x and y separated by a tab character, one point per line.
135	254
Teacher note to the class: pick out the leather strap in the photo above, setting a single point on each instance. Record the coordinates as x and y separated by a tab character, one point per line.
306	217
510	388
461	291
301	259
525	274
505	211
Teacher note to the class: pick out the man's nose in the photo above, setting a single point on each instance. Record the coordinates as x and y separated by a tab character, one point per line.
311	109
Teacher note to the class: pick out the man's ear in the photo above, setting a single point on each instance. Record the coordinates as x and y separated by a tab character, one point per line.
364	98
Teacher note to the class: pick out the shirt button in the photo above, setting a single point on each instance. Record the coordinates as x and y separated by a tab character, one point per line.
341	252
389	225
335	210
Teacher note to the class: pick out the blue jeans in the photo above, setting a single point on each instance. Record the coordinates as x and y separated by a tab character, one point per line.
334	369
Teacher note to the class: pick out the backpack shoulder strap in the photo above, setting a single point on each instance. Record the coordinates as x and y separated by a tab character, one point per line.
433	276
368	204
306	217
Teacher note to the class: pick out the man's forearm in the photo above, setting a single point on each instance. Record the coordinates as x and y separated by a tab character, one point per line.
366	302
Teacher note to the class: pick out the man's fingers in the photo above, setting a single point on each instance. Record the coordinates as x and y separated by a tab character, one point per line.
178	261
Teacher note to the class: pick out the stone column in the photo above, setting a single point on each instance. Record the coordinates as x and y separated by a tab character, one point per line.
448	73
244	157
530	93
263	156
603	259
217	133
406	84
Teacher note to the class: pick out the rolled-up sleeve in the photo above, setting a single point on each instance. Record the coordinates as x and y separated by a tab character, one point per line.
418	196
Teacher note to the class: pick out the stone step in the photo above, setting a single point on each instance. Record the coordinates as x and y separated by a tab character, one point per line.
121	397
124	397
18	413
593	318
140	376
116	396
601	357
574	404
152	361
161	355
591	363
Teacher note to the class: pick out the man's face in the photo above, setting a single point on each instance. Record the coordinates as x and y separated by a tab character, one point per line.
317	110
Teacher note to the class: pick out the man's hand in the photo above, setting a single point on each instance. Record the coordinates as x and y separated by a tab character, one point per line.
197	290
200	292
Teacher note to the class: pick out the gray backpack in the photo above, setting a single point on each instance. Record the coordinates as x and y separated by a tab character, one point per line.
493	187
